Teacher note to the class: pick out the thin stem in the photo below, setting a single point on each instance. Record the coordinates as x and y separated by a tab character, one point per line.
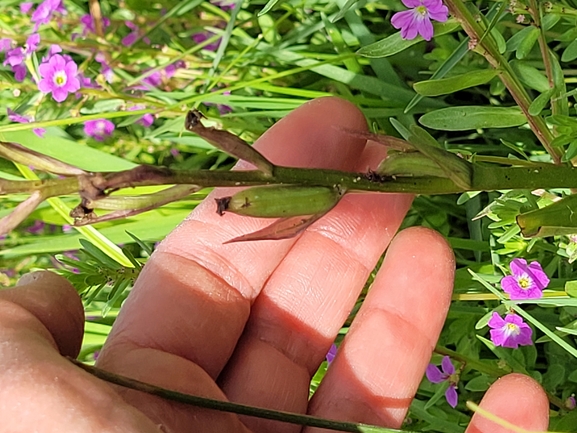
535	11
484	178
225	406
489	50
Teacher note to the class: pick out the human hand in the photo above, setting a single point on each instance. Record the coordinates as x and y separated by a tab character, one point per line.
252	321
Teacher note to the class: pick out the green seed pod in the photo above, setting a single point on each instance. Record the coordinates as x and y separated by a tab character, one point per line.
280	201
412	164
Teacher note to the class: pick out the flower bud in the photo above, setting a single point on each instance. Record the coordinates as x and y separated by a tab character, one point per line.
280	201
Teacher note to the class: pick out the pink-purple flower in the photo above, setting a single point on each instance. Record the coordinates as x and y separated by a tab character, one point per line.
527	281
15	58
88	25
5	44
59	77
147	119
19	118
32	43
330	356
435	375
418	19
510	332
25	7
45	10
99	129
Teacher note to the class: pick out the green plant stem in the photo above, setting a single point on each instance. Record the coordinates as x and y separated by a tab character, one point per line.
488	48
225	406
484	178
535	11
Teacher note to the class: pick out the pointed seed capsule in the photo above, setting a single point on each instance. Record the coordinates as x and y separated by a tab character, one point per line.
280	201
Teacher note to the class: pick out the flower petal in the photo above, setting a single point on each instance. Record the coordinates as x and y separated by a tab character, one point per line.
433	374
452	396
425	28
518	266
447	366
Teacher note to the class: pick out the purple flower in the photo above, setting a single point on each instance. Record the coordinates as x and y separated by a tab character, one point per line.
225	5
418	19
19	72
58	76
36	228
203	36
25	7
510	332
15	57
105	68
32	43
99	129
131	38
44	11
5	44
54	49
88	25
571	403
434	375
146	120
527	281
15	117
331	354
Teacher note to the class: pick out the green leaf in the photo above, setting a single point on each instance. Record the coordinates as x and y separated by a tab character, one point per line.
473	117
447	65
571	289
68	151
446	86
395	44
479	384
557	218
526	45
571	152
152	226
570	53
540	102
267	7
530	76
343	10
515	40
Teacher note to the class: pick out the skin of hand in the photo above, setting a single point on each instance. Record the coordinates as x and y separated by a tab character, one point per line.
252	321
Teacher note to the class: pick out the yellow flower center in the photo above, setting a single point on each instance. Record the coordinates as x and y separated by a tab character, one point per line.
512	329
60	78
422	10
524	282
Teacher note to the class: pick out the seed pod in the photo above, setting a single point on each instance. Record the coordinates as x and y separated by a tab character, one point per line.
280	201
413	164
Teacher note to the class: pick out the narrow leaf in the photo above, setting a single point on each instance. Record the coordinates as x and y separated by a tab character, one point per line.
394	44
267	7
473	117
343	10
22	155
540	102
530	76
447	65
446	86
